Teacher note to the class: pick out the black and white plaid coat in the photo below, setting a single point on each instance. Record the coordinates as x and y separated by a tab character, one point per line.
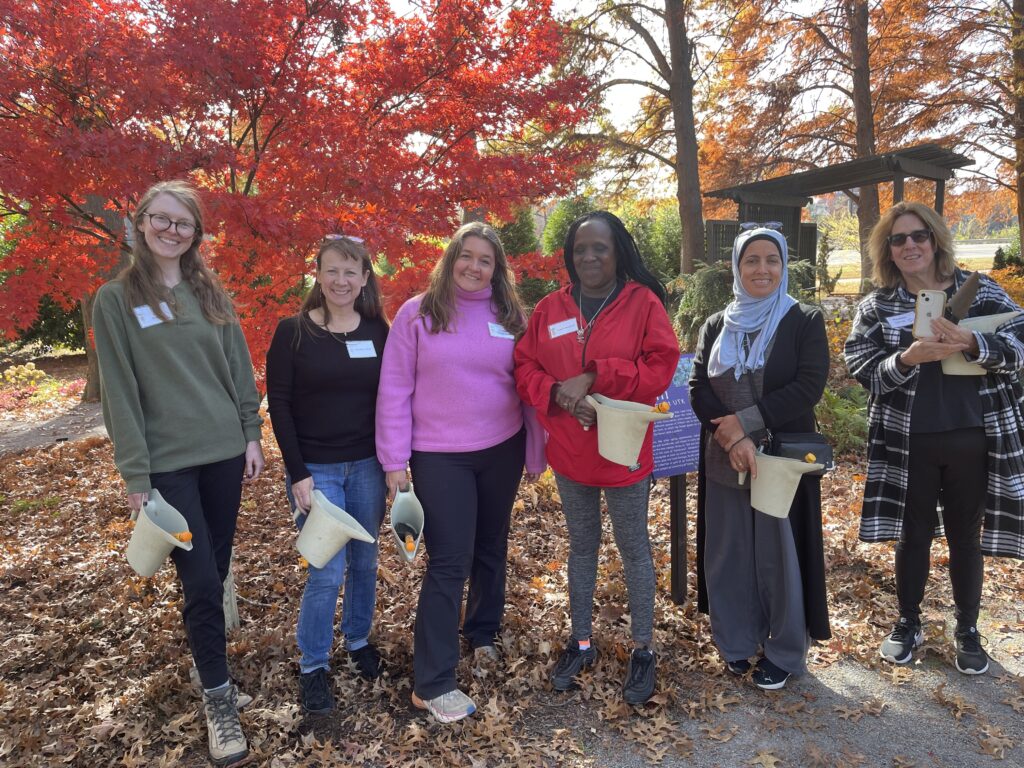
871	352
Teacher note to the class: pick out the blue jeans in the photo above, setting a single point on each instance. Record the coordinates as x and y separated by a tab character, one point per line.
357	487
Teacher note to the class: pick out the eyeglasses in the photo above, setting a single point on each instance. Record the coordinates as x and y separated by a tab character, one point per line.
918	236
748	225
162	223
353	238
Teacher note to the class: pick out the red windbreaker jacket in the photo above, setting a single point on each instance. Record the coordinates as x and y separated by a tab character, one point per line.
632	349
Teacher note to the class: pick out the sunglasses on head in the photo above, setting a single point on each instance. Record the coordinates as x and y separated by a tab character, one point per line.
748	225
353	238
918	236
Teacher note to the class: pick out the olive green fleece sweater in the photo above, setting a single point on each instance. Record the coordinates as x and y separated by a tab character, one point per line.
177	393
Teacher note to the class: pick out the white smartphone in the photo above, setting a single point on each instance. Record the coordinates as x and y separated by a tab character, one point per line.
930	306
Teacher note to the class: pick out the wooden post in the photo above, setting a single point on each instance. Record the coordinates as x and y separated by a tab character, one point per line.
231	620
940	194
897	188
677	535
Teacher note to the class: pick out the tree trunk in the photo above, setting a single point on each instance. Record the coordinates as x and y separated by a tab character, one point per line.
1017	48
691	214
91	393
868	207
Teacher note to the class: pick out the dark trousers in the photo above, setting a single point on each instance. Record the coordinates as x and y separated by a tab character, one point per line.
952	466
208	497
467	503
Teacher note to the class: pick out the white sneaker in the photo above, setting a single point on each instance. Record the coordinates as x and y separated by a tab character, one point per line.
223	728
448	707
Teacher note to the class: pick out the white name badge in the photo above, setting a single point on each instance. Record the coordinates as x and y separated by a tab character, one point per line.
901	321
498	331
147	317
360	349
565	326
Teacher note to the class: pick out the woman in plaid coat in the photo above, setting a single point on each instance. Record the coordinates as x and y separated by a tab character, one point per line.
937	443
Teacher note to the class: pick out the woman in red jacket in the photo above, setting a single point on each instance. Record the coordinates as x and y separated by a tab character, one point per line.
606	332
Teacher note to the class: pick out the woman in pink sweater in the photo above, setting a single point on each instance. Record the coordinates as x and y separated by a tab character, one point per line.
447	406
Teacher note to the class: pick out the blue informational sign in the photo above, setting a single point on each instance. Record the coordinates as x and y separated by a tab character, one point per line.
677	440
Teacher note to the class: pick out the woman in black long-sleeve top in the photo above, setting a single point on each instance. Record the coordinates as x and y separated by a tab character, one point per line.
761	364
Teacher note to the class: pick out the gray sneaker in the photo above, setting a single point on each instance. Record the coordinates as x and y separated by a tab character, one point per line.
244	699
448	707
224	729
898	646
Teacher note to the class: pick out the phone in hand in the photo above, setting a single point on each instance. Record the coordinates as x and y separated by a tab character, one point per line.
931	305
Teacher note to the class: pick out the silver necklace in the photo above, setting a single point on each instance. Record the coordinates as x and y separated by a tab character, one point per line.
584	331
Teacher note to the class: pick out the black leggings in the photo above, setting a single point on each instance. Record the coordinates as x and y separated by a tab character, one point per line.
952	466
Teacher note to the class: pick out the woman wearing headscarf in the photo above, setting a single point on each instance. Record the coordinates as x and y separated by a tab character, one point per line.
606	332
935	438
760	366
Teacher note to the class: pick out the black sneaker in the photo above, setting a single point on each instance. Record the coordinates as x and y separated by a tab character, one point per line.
971	658
768	676
898	647
740	667
367	660
315	687
640	677
571	663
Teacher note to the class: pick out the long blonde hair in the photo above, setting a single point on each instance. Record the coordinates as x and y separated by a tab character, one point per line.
885	273
142	280
439	300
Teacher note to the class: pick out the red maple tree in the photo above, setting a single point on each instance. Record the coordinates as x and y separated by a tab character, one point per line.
298	118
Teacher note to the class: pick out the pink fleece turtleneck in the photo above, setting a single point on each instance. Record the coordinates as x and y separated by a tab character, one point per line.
452	391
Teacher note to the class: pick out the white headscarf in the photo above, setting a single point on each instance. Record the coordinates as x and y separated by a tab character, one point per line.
746	314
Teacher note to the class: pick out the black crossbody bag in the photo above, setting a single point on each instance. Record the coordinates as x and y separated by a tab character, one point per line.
798	445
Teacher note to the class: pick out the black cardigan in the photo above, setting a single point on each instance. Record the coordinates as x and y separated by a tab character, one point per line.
794	380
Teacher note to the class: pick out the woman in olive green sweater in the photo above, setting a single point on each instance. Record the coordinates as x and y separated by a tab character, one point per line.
181	407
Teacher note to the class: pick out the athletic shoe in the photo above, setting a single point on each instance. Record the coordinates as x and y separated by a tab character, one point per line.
898	647
223	728
244	699
448	707
571	663
640	677
971	658
768	676
740	667
367	660
315	688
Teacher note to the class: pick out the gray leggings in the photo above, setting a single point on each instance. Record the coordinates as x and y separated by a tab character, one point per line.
627	507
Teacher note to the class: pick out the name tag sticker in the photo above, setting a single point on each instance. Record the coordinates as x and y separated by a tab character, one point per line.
498	331
904	320
360	348
147	317
565	326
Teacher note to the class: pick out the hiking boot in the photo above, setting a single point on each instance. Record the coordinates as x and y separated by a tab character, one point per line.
740	667
571	663
640	677
448	707
971	658
367	660
224	729
315	688
768	676
899	646
244	699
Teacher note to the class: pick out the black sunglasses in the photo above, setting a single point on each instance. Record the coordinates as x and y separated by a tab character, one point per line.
918	236
748	225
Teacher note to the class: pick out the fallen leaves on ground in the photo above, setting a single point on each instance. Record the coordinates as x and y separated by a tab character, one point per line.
94	668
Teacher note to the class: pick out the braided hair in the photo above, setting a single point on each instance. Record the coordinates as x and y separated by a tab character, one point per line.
628	262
